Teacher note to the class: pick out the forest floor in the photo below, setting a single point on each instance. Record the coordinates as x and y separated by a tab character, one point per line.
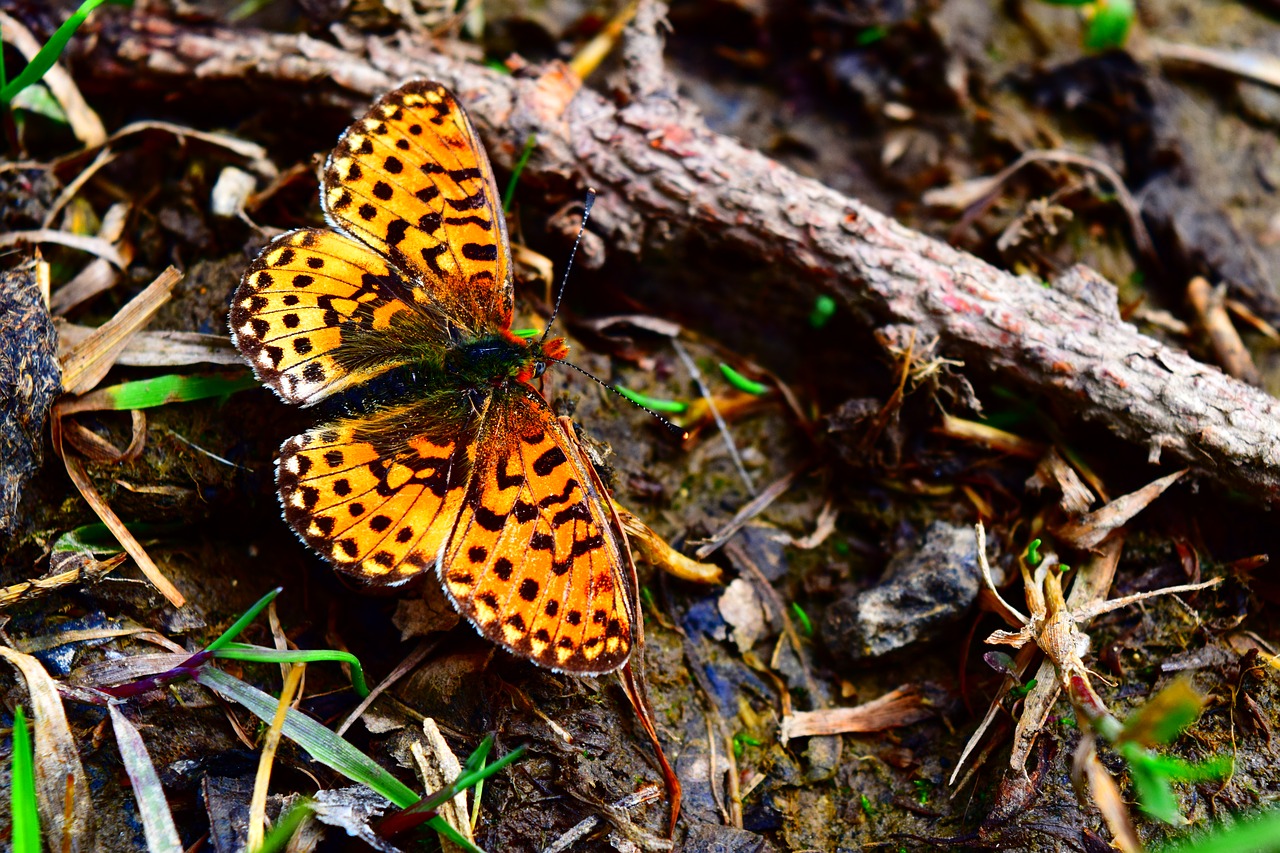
874	212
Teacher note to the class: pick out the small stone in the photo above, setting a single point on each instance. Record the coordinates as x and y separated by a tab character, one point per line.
922	593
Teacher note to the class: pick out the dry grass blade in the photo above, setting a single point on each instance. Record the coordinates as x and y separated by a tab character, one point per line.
86	364
104	157
93	245
160	348
438	767
84	122
1262	68
989	436
99	275
131	545
1105	794
584	828
59	773
902	707
258	804
251	151
754	507
79	569
157	820
1054	470
403	668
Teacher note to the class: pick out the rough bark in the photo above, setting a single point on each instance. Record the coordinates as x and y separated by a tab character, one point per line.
663	173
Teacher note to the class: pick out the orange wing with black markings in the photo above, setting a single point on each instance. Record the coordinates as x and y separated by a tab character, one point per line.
378	496
314	314
411	180
536	561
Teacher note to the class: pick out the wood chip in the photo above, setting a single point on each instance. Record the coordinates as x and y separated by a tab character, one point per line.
902	707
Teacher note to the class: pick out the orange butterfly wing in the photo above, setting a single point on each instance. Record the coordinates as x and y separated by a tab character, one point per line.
378	495
411	180
536	560
315	312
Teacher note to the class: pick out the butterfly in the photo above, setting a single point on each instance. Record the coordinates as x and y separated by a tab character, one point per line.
440	453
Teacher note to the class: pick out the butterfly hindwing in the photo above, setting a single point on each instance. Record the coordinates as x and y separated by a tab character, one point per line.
313	314
377	496
535	560
411	180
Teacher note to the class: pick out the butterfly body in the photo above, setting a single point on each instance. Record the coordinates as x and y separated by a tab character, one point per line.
437	452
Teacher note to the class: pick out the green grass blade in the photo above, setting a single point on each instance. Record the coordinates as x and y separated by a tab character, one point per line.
262	654
325	746
667	407
279	836
22	796
97	539
243	622
510	194
48	55
176	388
319	742
1257	834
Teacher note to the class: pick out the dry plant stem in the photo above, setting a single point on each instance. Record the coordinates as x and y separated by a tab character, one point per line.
402	669
88	362
75	469
89	572
258	803
662	174
585	827
1209	305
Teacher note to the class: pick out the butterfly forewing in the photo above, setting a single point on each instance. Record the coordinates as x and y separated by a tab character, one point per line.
307	310
411	180
535	560
376	500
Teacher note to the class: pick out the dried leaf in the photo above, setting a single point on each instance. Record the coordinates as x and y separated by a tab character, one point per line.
58	764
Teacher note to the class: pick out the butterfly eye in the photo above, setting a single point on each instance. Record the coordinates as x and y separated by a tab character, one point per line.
539	368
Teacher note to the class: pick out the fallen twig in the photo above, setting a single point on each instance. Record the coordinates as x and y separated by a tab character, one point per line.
663	174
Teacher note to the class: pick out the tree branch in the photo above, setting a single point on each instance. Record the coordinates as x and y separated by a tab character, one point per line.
663	173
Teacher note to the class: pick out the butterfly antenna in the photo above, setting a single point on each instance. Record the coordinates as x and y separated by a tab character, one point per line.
586	214
678	432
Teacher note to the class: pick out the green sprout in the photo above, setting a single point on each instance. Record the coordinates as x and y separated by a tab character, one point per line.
742	383
867	808
806	624
824	308
667	407
48	55
1107	21
742	740
1020	691
1033	553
